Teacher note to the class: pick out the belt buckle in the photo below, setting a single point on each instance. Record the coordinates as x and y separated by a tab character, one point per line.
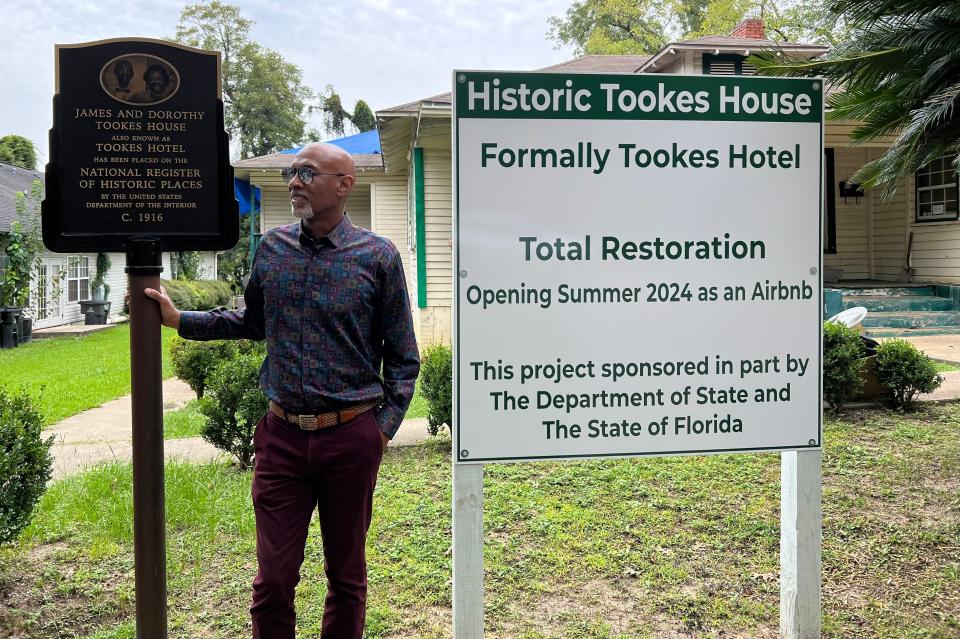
308	422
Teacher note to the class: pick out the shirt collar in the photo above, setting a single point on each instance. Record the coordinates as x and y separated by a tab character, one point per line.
335	237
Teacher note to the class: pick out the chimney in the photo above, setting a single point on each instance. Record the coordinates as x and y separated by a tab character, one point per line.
750	28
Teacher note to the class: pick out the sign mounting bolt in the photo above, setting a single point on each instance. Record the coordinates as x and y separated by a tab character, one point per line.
813	270
464	453
461	78
463	273
816	86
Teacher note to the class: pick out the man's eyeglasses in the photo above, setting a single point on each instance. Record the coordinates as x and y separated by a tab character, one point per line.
304	173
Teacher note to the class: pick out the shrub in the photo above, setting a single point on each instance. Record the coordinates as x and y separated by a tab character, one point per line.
180	294
233	405
25	462
906	371
436	379
202	300
246	346
199	295
842	353
194	361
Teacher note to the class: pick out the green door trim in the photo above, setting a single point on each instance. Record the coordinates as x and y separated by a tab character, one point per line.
421	222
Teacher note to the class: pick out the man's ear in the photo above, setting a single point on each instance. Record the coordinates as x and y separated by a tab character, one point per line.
346	185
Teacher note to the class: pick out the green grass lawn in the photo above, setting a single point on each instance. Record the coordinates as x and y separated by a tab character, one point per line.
636	548
183	422
944	367
67	375
418	405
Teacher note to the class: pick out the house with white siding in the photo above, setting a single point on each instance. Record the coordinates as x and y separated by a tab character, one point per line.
405	191
63	280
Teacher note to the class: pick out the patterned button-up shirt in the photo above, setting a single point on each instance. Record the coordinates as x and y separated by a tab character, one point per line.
332	312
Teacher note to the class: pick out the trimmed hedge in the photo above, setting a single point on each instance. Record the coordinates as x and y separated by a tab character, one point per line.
843	351
197	295
906	371
193	361
233	405
25	462
436	380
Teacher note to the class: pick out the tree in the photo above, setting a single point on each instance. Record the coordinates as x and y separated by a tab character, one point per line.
233	265
189	263
900	74
18	151
615	26
270	108
264	95
23	246
363	117
335	116
784	20
645	26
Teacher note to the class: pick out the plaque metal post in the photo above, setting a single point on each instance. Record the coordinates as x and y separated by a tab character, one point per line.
149	521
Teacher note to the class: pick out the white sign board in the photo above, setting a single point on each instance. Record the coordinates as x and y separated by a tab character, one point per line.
637	265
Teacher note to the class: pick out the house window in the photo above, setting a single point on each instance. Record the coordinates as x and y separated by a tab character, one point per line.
726	64
40	309
78	279
937	191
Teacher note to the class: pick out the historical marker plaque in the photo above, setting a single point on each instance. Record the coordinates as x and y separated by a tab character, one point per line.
138	149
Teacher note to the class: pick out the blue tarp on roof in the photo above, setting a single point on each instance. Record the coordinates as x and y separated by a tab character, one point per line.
241	191
361	143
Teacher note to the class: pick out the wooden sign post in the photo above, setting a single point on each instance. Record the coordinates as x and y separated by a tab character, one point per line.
139	163
637	271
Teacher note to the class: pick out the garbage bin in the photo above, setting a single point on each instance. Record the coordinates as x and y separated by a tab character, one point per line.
26	334
10	318
95	311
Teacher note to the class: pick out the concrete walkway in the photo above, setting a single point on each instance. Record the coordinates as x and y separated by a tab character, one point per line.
945	348
102	434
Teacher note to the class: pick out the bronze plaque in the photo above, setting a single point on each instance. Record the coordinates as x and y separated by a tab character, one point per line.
138	149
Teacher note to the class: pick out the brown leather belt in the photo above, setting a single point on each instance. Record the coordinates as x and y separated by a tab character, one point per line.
323	420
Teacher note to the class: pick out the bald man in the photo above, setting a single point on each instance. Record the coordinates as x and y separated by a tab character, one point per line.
331	301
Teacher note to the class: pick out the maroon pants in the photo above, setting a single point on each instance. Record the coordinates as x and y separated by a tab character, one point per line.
332	470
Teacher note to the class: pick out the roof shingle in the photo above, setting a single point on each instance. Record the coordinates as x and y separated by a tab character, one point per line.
12	180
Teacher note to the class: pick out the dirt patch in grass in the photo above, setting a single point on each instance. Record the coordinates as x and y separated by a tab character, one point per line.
617	604
943	484
624	607
52	594
430	622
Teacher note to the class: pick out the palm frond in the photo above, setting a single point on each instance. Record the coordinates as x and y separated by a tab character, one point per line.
769	64
899	72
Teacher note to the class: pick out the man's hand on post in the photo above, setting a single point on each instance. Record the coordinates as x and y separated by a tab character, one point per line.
169	315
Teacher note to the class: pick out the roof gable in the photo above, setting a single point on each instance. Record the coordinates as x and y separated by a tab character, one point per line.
13	179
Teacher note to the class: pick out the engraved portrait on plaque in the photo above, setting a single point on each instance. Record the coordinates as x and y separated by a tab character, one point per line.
139	79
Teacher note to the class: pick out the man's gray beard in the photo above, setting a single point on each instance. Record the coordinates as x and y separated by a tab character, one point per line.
303	212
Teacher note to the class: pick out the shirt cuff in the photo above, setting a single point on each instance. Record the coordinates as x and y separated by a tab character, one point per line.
388	419
190	324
